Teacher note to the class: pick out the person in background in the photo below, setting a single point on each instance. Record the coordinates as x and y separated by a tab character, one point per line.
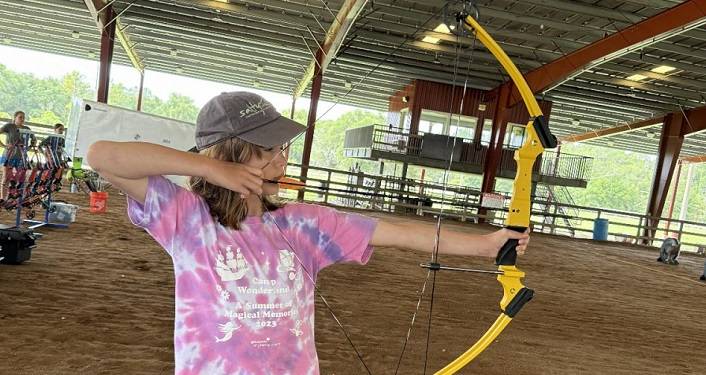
12	154
48	142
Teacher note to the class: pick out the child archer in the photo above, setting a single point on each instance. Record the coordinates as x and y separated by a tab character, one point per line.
245	264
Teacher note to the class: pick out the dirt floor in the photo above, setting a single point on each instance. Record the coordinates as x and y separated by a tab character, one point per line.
98	299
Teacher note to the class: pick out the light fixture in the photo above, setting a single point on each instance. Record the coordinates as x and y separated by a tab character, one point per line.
91	55
260	68
405	99
576	122
7	40
347	84
650	134
431	39
75	34
663	69
174	52
481	107
610	143
256	83
442	28
179	70
636	77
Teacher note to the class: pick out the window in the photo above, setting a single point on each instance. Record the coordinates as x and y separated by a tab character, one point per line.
517	135
487	131
443	123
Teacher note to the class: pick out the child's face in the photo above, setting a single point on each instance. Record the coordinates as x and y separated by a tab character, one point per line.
20	119
272	162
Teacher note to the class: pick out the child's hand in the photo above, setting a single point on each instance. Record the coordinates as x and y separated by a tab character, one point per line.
237	177
499	238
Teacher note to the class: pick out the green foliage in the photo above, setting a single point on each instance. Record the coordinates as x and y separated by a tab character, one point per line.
620	180
49	100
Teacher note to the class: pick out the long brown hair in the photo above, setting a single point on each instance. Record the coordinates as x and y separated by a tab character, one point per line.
226	205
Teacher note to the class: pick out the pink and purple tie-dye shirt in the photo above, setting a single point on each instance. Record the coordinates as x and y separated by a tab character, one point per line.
244	299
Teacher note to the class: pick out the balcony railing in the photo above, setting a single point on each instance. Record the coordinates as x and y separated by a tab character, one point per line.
360	142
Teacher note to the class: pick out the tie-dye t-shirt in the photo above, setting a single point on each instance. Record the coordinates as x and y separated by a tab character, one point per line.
245	298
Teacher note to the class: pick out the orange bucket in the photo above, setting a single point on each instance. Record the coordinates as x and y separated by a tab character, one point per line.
99	201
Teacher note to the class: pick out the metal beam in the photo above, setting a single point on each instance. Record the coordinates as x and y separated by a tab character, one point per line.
611	131
687	15
335	36
102	19
694	159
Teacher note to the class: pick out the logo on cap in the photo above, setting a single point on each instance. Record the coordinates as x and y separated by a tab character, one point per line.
254	108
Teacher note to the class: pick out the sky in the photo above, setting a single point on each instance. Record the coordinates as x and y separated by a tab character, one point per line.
47	65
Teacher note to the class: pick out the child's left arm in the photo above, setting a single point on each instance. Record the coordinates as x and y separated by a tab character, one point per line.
421	236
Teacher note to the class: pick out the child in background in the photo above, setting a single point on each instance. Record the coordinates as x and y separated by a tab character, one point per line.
245	263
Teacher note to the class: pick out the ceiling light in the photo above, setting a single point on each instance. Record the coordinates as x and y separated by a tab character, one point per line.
442	28
7	40
636	77
179	70
663	69
256	84
576	122
431	39
174	52
91	55
610	143
75	34
260	68
347	84
481	107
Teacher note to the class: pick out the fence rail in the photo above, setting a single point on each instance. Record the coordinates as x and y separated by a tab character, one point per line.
414	197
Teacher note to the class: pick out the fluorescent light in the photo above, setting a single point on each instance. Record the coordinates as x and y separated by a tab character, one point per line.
431	39
636	77
663	69
442	28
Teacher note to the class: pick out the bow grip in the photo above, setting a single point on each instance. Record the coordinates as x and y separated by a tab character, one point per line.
507	256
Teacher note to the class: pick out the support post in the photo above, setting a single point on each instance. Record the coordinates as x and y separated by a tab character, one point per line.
311	122
670	144
495	147
106	58
139	94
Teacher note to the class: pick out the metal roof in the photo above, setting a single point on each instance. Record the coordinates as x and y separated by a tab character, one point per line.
267	44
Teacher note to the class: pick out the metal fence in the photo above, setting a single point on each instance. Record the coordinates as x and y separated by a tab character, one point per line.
413	197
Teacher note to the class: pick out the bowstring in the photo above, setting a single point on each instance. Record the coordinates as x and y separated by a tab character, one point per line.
435	252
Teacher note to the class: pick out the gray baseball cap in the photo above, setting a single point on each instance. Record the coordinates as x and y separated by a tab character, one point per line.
246	116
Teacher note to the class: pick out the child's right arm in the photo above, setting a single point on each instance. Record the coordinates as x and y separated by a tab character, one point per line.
127	165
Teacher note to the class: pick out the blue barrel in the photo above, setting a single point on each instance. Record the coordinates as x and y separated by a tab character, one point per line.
600	229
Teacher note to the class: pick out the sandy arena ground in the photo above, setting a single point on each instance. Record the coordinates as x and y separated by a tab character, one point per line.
98	299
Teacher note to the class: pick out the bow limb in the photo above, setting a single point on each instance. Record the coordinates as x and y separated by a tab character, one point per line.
515	294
